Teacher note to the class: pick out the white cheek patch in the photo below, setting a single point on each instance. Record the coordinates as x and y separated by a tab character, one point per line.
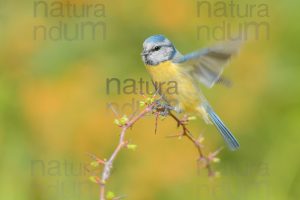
163	54
168	51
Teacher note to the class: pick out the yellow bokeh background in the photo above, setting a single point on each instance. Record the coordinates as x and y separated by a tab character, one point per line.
53	106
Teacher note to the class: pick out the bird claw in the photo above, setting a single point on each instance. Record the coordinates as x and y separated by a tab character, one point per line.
162	108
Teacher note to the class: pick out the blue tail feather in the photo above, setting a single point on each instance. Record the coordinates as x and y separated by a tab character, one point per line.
224	131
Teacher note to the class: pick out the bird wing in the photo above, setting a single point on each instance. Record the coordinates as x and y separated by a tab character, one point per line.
207	65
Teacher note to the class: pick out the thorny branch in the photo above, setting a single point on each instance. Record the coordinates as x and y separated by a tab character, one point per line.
158	109
205	160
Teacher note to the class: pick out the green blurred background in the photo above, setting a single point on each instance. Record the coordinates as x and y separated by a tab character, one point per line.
53	105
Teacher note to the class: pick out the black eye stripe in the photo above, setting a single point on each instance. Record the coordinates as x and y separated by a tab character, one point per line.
156	48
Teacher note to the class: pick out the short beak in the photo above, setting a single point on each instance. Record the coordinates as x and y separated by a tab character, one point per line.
144	53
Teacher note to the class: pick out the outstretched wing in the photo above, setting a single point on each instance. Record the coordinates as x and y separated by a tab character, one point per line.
207	65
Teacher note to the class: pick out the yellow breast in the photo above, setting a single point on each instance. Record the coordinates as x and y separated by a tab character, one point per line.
176	85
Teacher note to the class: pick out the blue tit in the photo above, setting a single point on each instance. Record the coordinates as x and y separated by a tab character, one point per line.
166	64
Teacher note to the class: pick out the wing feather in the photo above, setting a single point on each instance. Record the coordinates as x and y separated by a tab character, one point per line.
207	65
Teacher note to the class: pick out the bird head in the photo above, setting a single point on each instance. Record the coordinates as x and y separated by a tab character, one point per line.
157	49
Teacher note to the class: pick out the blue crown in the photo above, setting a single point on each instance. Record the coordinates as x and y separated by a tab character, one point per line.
155	38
